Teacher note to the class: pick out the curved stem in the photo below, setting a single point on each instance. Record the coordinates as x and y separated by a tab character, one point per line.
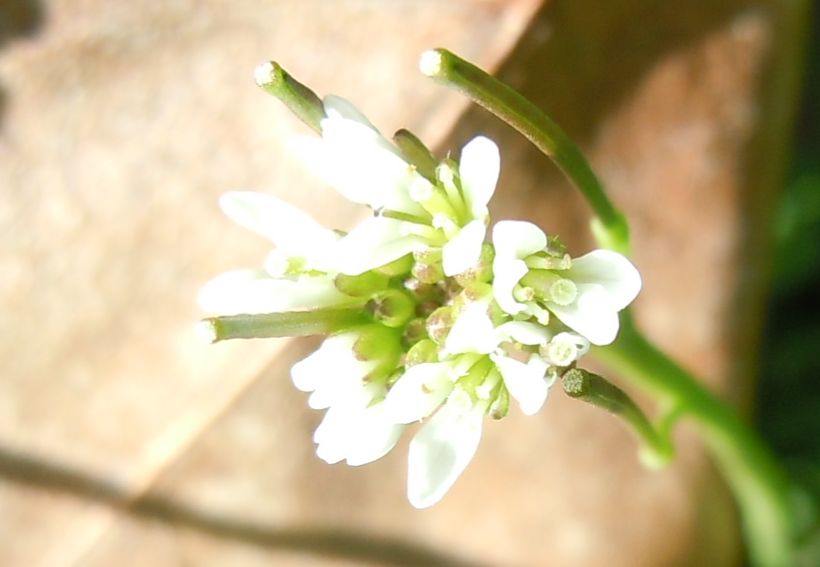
757	481
610	226
754	476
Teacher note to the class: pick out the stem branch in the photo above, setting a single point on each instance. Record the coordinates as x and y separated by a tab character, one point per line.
757	481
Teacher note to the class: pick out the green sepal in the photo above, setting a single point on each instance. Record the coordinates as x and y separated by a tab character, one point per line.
416	153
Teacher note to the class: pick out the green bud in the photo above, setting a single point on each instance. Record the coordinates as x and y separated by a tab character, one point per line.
424	292
415	331
397	267
428	273
392	307
476	291
379	344
423	351
439	324
427	267
362	285
415	152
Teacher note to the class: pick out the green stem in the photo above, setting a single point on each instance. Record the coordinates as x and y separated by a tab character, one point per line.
289	324
759	484
754	476
610	226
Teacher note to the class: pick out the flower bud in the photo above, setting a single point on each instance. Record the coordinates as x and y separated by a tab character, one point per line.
379	344
392	308
427	267
423	351
397	267
362	285
415	331
439	324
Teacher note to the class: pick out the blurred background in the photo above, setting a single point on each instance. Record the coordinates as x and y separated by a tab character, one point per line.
124	440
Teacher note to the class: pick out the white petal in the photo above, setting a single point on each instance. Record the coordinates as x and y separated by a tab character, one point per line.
253	291
292	230
463	251
523	332
478	168
375	242
440	452
350	136
506	275
336	106
472	331
372	436
419	392
334	374
362	169
525	382
517	239
331	436
592	314
358	436
618	276
366	168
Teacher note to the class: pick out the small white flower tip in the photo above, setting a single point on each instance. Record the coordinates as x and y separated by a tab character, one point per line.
205	332
263	74
430	62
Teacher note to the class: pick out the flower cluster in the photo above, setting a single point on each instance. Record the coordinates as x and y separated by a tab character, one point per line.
451	327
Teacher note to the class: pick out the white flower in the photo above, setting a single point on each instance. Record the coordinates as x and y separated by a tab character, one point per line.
300	242
255	291
472	331
420	391
586	297
294	233
477	337
443	448
446	443
415	214
357	427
